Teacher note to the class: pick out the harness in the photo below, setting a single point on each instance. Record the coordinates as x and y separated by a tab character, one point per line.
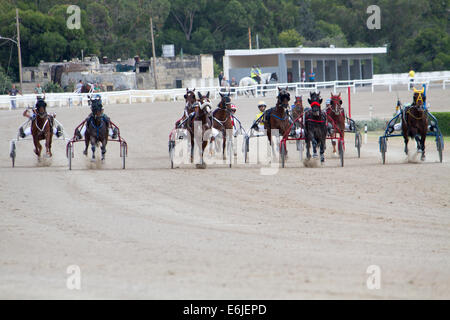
97	128
43	127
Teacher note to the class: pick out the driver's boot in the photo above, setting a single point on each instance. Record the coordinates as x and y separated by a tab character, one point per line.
58	131
21	133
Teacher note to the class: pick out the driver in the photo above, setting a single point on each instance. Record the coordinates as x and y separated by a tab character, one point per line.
259	120
255	74
31	114
96	103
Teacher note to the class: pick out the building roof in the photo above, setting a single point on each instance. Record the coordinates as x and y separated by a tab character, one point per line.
303	50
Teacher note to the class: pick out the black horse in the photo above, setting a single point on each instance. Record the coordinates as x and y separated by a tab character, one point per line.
97	129
315	127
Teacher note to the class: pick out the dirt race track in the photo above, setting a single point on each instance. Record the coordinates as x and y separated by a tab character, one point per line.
152	232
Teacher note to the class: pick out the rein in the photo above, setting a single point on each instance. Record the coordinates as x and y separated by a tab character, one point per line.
417	118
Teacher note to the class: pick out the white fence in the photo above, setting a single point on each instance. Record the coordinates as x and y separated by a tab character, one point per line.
140	96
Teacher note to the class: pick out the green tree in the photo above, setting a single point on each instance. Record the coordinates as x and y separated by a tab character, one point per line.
290	38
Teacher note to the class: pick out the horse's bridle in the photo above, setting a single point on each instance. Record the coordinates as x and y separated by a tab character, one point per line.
336	107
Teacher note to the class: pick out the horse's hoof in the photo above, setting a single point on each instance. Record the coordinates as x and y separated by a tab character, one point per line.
93	160
201	166
85	153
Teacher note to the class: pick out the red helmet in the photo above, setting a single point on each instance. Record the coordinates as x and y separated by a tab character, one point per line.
233	107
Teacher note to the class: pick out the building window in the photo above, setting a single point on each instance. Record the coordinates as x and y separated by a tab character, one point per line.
45	75
178	84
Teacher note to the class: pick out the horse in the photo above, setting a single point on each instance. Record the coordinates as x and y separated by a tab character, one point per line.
415	122
278	116
87	88
189	99
222	119
97	130
42	128
202	109
265	79
298	109
337	114
315	127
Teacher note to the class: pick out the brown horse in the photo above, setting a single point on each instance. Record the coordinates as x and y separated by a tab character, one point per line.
337	113
222	120
189	99
278	117
415	122
42	128
202	116
298	109
86	88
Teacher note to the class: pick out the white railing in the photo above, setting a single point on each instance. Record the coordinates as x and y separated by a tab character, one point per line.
139	96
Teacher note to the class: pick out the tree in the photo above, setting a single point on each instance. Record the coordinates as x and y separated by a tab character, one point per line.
290	38
185	12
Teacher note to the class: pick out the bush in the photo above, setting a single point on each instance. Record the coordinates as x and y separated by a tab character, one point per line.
5	83
374	124
443	119
52	87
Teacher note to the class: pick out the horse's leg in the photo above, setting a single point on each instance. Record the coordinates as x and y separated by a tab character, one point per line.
405	137
308	147
322	150
224	146
422	142
192	148
37	146
104	142
314	144
48	143
93	142
87	139
333	142
204	144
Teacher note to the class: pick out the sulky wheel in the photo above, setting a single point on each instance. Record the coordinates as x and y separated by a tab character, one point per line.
230	149
123	153
171	152
69	155
383	149
282	153
246	148
440	146
341	152
358	143
12	154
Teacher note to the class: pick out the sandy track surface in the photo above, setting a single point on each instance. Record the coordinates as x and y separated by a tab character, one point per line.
152	232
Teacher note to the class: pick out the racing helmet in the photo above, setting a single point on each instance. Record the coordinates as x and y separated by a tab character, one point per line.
262	104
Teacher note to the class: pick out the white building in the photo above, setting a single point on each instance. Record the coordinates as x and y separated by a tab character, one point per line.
329	64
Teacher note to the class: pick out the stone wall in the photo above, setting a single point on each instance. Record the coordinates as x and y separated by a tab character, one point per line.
169	70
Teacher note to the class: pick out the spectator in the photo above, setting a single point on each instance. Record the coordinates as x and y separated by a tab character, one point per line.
38	90
233	82
303	75
13	93
312	76
225	85
79	87
220	78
